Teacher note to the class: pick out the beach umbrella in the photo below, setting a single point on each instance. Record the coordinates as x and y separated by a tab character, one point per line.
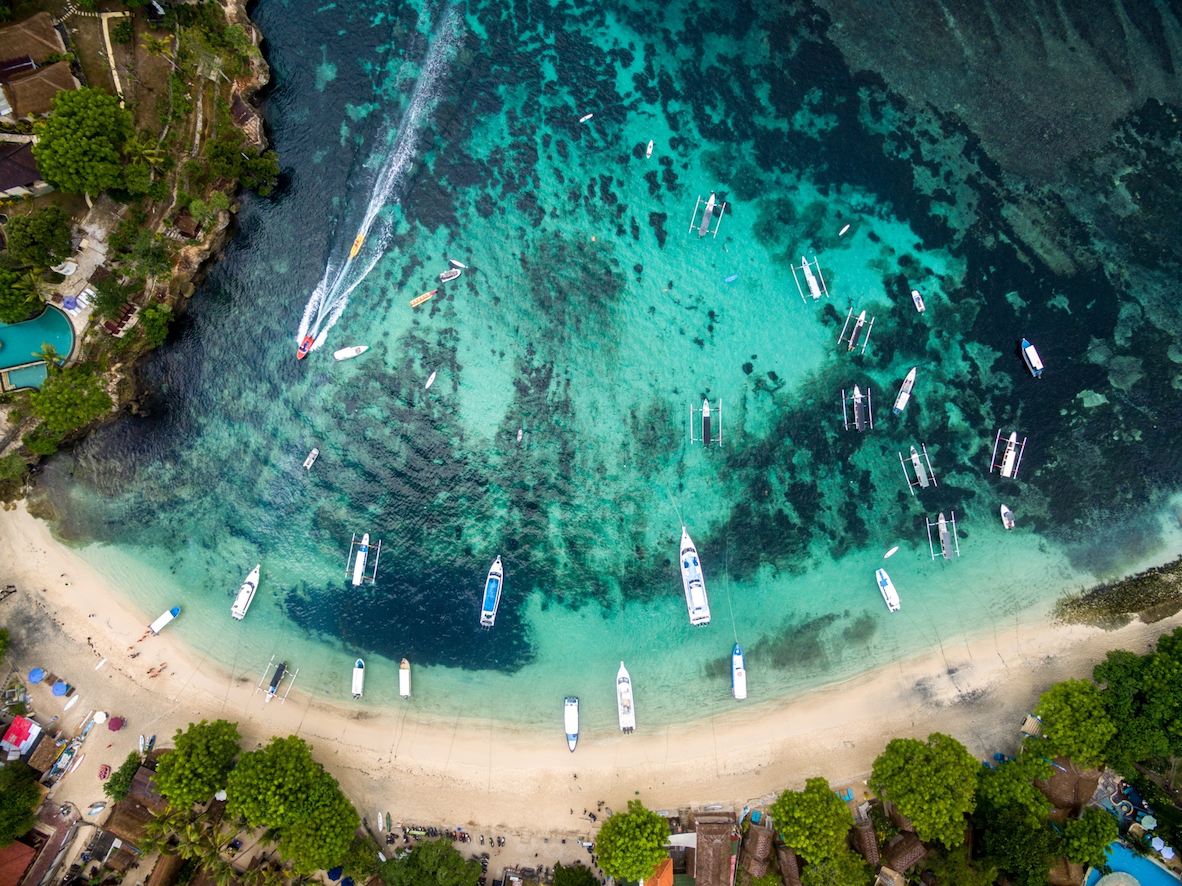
334	874
1167	853
115	724
1149	822
69	302
1158	844
36	675
60	688
100	716
348	881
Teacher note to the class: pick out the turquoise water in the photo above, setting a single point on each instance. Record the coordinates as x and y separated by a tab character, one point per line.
1122	858
28	376
590	322
20	342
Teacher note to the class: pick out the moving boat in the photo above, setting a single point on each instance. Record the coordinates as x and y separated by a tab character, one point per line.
694	584
648	152
492	594
356	248
570	720
246	594
358	677
159	624
430	381
905	393
887	587
917	300
624	705
359	563
311	459
449	275
404	679
738	673
1007	517
419	299
457	264
1033	361
350	353
305	347
584	119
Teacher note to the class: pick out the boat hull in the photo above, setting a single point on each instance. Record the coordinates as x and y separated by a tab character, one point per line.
738	673
358	678
492	594
350	353
165	618
886	587
359	563
570	721
625	702
246	594
1007	517
693	583
305	347
404	679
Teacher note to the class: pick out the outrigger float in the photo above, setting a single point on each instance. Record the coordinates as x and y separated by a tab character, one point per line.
361	561
280	674
708	209
861	409
923	476
814	283
853	338
1011	456
947	536
701	424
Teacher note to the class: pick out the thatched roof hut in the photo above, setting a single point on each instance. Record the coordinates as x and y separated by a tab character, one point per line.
757	850
1069	788
904	852
711	864
789	864
866	841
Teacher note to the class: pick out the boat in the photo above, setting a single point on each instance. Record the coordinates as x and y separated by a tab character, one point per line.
430	381
143	743
358	677
1033	361
1012	456
570	720
419	299
841	233
707	212
305	347
311	459
449	275
159	624
887	587
859	325
738	673
584	119
276	679
707	437
457	264
904	392
381	820
359	563
945	536
693	583
246	594
350	353
810	278
891	553
648	152
404	679
356	247
1007	517
921	472
492	594
731	278
917	300
151	744
624	704
861	405
520	434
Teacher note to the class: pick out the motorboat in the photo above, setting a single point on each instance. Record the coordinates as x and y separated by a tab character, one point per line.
584	119
648	152
891	553
163	621
904	396
844	228
738	673
1033	361
359	563
404	679
246	594
419	299
917	300
356	247
430	381
305	347
350	353
887	588
624	701
311	459
457	264
358	678
570	720
1007	517
449	275
693	583
492	594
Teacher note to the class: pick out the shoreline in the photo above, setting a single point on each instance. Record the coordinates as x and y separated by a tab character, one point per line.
439	769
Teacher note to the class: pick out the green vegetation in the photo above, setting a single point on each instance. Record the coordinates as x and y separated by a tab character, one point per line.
40	239
1085	838
841	869
71	398
3	642
630	844
436	862
1075	724
361	859
574	875
19	299
19	797
154	320
814	822
118	785
1011	788
199	764
932	783
80	144
123	32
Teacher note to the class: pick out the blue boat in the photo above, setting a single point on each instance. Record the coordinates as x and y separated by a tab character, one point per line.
492	594
1033	361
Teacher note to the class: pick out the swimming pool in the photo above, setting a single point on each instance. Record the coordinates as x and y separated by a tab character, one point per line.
1122	858
20	341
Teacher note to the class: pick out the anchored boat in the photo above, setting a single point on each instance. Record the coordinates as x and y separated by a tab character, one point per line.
246	594
159	624
359	563
492	594
311	459
358	678
404	679
904	397
350	353
1033	361
693	583
449	275
648	152
276	679
917	300
457	264
1007	517
624	705
570	720
430	381
419	299
887	588
585	118
738	673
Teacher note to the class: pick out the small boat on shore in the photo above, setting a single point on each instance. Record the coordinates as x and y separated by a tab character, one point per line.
1007	517
404	679
492	594
887	588
917	300
693	583
305	347
350	353
1033	361
246	594
624	702
904	392
430	381
585	118
457	264
648	152
419	299
276	679
738	673
163	621
359	678
570	720
449	275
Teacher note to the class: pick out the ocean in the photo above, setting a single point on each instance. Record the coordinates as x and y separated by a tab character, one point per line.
592	320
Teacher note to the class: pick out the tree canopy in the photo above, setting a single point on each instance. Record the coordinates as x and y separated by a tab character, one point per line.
574	875
813	822
199	764
1011	786
1143	693
70	398
843	868
630	844
41	238
118	785
80	145
1075	723
436	862
933	783
1086	839
18	296
1023	852
19	797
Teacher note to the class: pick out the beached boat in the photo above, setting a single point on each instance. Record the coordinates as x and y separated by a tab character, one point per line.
276	679
738	673
1033	361
917	300
696	601
159	624
359	563
585	118
887	588
356	247
419	299
305	347
904	392
311	459
624	706
449	275
457	264
648	152
246	594
1007	517
492	594
570	720
430	381
358	678
350	353
404	679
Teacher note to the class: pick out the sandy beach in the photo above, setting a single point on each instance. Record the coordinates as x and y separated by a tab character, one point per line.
494	779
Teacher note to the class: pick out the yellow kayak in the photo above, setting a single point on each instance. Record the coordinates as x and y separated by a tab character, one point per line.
356	246
415	302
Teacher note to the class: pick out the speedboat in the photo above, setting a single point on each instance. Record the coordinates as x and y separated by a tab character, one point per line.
350	353
457	264
1033	361
905	392
570	720
159	624
693	583
1007	517
648	152
311	459
624	704
917	300
492	594
887	587
419	299
356	247
246	594
359	563
430	381
584	119
449	275
358	678
404	679
305	347
738	673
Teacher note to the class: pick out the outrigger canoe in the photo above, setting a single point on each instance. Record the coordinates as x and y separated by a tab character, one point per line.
426	296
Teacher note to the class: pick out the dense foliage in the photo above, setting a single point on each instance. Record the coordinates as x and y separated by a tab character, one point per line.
814	822
1085	839
40	239
70	398
199	764
933	783
573	875
1143	693
630	844
1011	787
1075	724
843	868
18	296
1009	842
436	862
19	797
80	145
118	785
154	319
3	641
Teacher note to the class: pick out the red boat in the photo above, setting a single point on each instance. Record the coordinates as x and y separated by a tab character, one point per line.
305	346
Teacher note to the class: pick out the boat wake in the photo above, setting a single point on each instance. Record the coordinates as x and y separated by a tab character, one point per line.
331	295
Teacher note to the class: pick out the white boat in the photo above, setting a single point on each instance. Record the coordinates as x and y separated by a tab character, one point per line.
1007	517
246	594
449	275
1033	361
159	624
887	587
624	703
311	459
358	678
492	594
648	152
359	563
430	381
841	233
917	300
143	743
922	478
891	553
585	118
457	264
694	584
810	279
905	392
570	720
520	433
1012	456
706	214
350	353
404	679
738	673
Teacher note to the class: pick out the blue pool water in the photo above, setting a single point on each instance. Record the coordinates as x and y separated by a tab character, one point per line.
1122	858
28	376
19	342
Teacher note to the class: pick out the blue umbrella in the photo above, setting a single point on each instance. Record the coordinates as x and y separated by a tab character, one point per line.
60	688
334	874
36	675
69	303
348	881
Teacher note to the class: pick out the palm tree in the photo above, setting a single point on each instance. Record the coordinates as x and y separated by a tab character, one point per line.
48	353
161	46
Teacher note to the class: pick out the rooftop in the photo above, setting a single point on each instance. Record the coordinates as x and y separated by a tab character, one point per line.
32	94
35	37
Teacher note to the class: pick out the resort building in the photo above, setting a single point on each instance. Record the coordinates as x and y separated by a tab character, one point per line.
711	861
789	864
19	175
34	38
31	95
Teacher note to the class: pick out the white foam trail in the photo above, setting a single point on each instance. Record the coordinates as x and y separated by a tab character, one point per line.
329	299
